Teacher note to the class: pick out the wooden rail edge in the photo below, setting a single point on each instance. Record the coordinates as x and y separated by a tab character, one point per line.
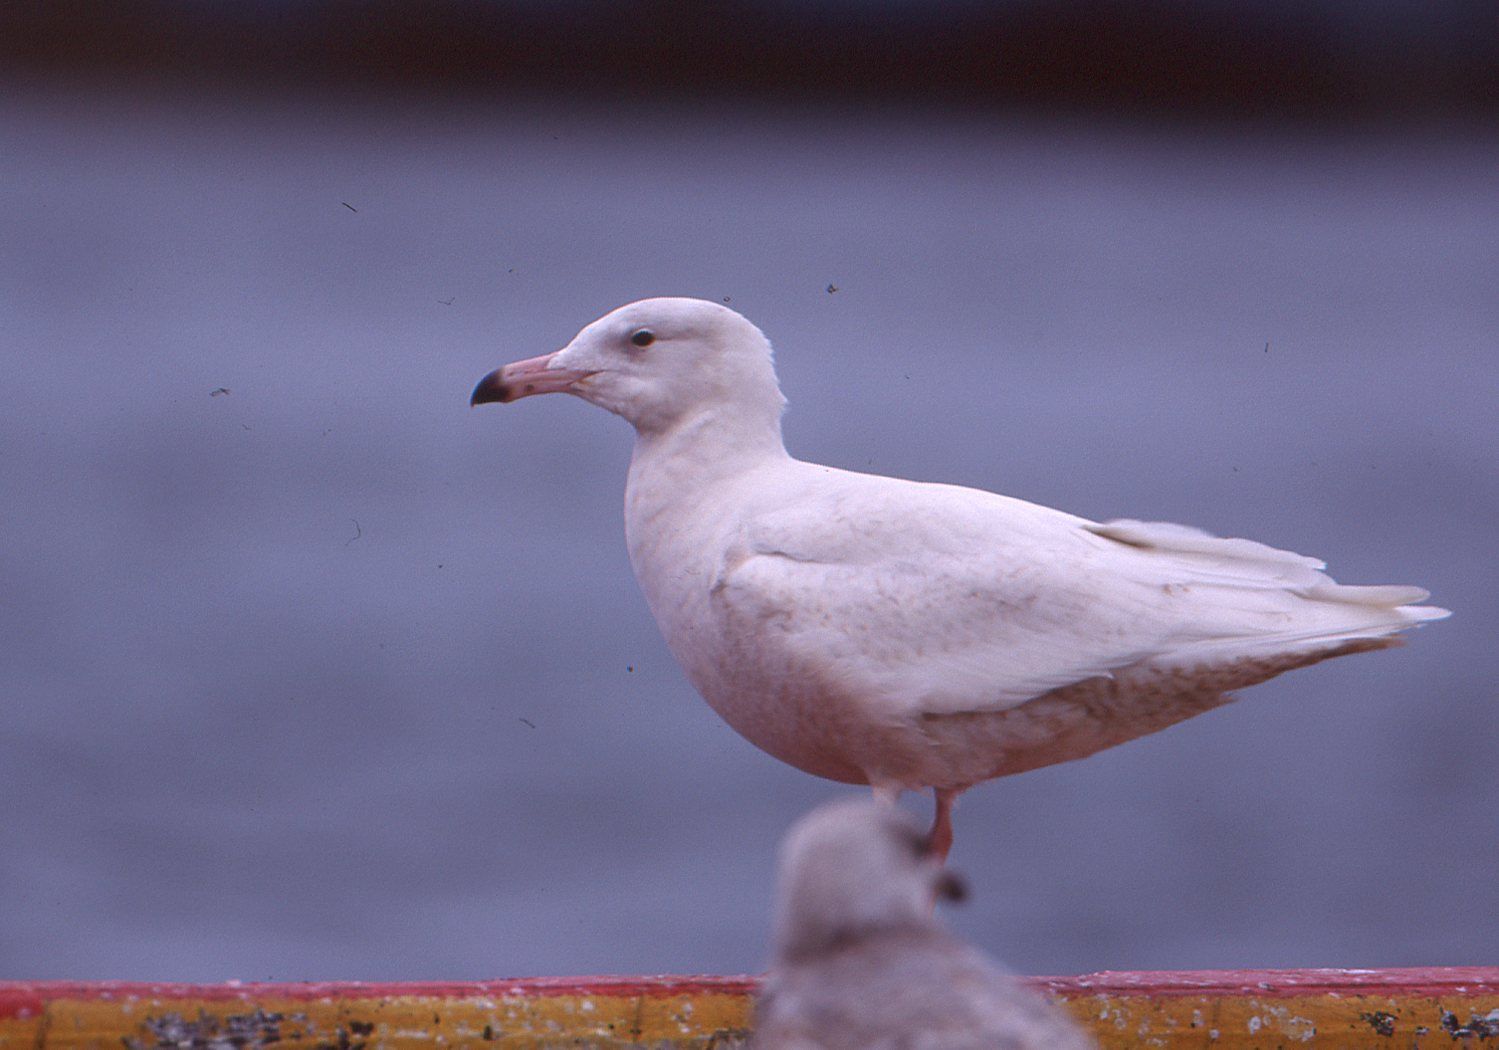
1446	1007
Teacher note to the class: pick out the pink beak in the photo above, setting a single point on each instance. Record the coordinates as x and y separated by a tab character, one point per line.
524	378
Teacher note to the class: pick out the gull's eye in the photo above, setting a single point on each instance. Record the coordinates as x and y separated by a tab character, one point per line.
643	337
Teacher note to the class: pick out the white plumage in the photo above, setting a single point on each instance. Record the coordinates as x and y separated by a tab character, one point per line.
910	635
861	963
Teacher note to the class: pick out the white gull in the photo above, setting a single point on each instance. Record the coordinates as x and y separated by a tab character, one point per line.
908	635
862	964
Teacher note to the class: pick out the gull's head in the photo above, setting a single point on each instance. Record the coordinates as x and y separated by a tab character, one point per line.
654	362
852	869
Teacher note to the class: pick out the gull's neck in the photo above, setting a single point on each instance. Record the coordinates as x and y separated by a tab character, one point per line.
682	479
814	939
715	443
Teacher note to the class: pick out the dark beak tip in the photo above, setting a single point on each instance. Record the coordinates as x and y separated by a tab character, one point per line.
952	887
490	389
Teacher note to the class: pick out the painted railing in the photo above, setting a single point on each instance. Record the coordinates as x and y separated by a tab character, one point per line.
1347	1009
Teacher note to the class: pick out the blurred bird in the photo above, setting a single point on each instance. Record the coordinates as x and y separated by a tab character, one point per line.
860	961
905	635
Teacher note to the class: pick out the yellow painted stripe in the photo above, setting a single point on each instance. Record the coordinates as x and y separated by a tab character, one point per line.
1241	1022
1257	1009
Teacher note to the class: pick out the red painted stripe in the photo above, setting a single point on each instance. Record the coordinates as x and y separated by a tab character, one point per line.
1419	981
27	998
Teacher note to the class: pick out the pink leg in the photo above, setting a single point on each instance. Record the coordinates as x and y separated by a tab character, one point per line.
939	842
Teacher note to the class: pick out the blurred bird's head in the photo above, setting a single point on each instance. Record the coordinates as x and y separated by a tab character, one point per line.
852	869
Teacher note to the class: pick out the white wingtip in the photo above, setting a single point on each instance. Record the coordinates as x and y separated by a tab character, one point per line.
1365	594
1185	539
1423	613
1351	612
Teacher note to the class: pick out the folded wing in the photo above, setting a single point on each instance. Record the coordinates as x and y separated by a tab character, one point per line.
934	599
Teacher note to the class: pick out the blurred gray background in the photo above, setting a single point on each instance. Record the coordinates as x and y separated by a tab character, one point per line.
309	671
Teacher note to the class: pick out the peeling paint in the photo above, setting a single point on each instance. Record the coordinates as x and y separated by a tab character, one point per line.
1302	1028
254	1030
1485	1027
